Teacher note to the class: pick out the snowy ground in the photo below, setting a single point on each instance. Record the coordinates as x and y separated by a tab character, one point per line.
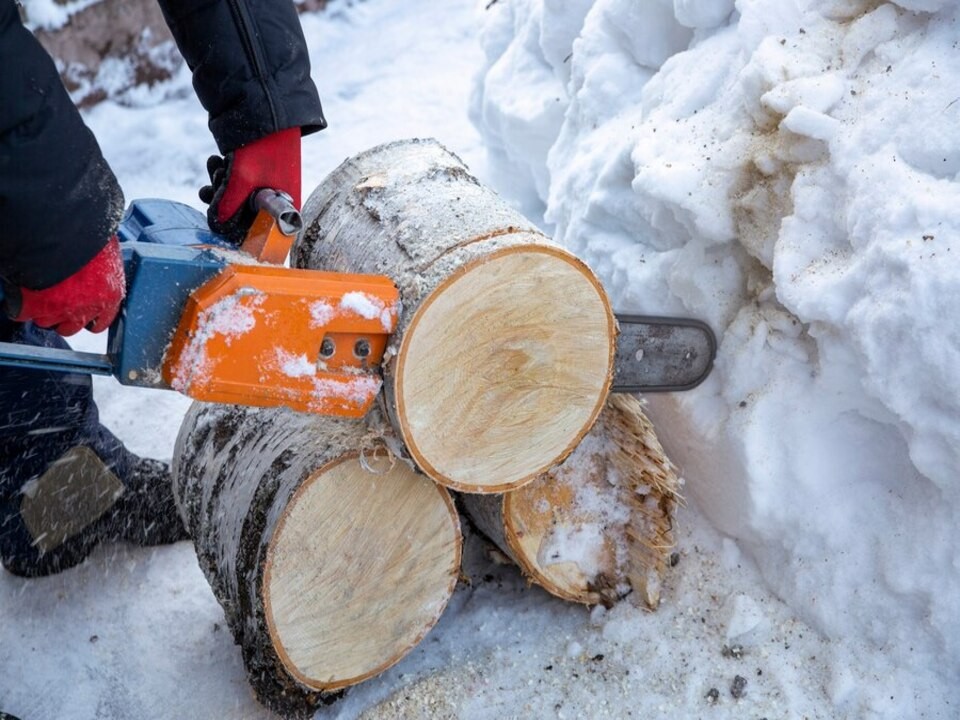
574	134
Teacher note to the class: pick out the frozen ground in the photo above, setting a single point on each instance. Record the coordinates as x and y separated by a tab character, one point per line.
740	167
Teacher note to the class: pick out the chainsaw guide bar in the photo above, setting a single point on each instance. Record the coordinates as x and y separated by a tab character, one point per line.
662	354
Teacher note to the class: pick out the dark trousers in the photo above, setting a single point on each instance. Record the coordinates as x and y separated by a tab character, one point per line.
43	417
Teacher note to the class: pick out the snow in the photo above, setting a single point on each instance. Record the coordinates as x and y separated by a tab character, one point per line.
370	307
295	365
788	171
601	513
321	312
228	318
50	14
362	304
357	390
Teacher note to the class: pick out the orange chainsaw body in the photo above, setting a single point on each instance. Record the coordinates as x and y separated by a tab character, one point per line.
267	335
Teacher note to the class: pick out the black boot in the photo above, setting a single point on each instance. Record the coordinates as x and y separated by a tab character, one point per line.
60	517
66	482
146	513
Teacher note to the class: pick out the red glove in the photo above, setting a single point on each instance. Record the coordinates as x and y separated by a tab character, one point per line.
90	297
270	162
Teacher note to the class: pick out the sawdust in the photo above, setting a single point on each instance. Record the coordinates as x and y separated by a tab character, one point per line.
435	697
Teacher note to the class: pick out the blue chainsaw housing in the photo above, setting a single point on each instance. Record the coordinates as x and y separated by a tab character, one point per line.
168	252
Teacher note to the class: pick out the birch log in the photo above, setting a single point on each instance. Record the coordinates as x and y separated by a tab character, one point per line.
503	355
330	562
600	524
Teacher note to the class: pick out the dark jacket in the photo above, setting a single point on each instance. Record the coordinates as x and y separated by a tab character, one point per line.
59	200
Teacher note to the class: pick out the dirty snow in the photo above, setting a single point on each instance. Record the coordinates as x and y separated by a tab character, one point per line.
757	165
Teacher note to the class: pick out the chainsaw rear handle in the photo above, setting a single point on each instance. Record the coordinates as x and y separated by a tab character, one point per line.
164	226
44	358
275	203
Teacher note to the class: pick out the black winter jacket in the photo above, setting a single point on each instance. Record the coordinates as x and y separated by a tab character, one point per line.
59	200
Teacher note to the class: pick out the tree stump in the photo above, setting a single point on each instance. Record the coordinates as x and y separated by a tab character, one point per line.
599	524
504	350
330	558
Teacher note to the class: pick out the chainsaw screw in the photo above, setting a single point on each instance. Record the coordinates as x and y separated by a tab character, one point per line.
361	349
327	348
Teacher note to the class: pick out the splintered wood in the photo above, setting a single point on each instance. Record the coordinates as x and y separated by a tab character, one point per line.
600	524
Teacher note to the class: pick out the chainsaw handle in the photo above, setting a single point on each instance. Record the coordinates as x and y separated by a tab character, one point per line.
275	227
169	252
55	359
45	358
280	207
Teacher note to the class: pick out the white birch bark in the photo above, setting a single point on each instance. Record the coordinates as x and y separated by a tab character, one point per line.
330	562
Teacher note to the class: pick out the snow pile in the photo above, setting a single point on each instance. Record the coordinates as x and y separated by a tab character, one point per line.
789	171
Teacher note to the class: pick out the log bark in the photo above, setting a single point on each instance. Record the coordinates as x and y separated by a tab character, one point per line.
600	524
331	559
503	355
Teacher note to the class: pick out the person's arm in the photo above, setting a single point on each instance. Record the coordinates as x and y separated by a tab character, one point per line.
59	201
250	67
251	72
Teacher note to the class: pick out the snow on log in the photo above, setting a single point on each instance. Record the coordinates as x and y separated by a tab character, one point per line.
331	559
503	354
598	525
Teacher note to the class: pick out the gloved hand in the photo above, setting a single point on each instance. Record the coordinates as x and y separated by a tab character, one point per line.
270	162
90	298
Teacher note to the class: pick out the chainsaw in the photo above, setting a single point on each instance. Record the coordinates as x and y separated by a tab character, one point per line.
234	325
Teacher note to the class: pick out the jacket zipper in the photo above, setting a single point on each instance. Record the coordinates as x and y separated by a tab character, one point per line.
252	48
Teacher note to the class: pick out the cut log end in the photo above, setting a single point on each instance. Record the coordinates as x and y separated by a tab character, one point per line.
346	593
503	352
515	345
331	559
